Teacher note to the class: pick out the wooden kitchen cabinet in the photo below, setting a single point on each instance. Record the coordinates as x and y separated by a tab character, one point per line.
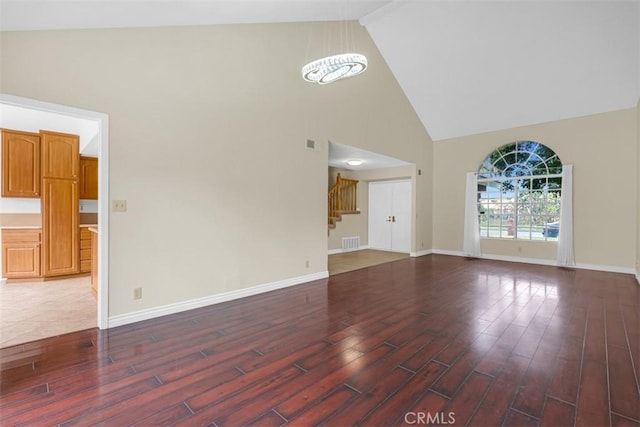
60	202
20	164
21	250
60	218
88	178
60	155
85	250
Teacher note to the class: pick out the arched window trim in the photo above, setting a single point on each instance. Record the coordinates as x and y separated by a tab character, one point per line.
527	220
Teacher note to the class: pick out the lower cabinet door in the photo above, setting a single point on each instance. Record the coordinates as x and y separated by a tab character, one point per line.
20	260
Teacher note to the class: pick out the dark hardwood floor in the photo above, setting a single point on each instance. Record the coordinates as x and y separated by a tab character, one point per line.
434	339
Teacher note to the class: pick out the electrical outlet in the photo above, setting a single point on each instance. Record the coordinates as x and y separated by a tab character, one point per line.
119	206
137	293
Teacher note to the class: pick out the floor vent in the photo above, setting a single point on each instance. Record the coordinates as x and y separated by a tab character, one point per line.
350	243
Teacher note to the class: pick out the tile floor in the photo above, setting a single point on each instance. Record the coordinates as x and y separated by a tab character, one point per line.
355	260
35	310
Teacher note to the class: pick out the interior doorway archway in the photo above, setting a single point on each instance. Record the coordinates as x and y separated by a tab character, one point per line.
102	139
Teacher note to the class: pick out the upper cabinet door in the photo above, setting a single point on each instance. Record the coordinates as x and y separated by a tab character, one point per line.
88	178
60	155
20	164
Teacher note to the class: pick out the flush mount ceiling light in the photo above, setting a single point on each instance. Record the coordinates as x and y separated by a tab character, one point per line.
354	162
332	68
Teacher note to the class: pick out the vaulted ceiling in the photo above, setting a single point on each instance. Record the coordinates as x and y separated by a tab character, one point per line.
473	67
466	66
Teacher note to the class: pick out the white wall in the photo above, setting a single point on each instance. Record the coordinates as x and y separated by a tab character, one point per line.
602	149
198	118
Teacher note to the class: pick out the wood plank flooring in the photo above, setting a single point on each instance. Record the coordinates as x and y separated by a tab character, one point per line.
426	340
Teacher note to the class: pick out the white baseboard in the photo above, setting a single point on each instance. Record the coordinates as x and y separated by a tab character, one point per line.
609	268
446	252
638	277
421	253
340	250
524	260
150	313
539	261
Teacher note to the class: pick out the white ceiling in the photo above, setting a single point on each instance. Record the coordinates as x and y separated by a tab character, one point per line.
472	67
54	14
466	66
339	154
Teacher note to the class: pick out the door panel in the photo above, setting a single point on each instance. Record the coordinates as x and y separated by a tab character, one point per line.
390	216
401	212
20	164
60	155
60	226
379	224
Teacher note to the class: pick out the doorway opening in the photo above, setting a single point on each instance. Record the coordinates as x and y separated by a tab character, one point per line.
371	171
390	216
32	115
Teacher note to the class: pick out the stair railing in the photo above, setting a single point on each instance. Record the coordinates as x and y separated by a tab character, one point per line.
342	198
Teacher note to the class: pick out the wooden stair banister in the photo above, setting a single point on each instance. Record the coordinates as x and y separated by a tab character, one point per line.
342	199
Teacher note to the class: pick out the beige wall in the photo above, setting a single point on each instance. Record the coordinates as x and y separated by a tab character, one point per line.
198	118
602	149
358	225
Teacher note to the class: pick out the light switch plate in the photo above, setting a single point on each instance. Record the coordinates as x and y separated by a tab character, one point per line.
119	206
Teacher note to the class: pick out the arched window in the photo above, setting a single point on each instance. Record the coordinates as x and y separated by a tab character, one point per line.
519	187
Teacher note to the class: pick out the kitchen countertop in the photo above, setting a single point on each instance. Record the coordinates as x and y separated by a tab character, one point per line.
94	229
88	225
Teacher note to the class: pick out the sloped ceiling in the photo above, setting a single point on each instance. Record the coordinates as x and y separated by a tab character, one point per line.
473	67
466	66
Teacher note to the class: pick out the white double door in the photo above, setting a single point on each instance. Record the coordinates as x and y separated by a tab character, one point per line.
390	216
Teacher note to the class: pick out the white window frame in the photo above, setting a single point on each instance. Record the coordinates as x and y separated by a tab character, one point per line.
496	205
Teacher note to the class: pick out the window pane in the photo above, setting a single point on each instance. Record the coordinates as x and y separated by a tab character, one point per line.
523	208
537	226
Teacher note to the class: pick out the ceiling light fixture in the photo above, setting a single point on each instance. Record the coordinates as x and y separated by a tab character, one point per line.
354	162
332	68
